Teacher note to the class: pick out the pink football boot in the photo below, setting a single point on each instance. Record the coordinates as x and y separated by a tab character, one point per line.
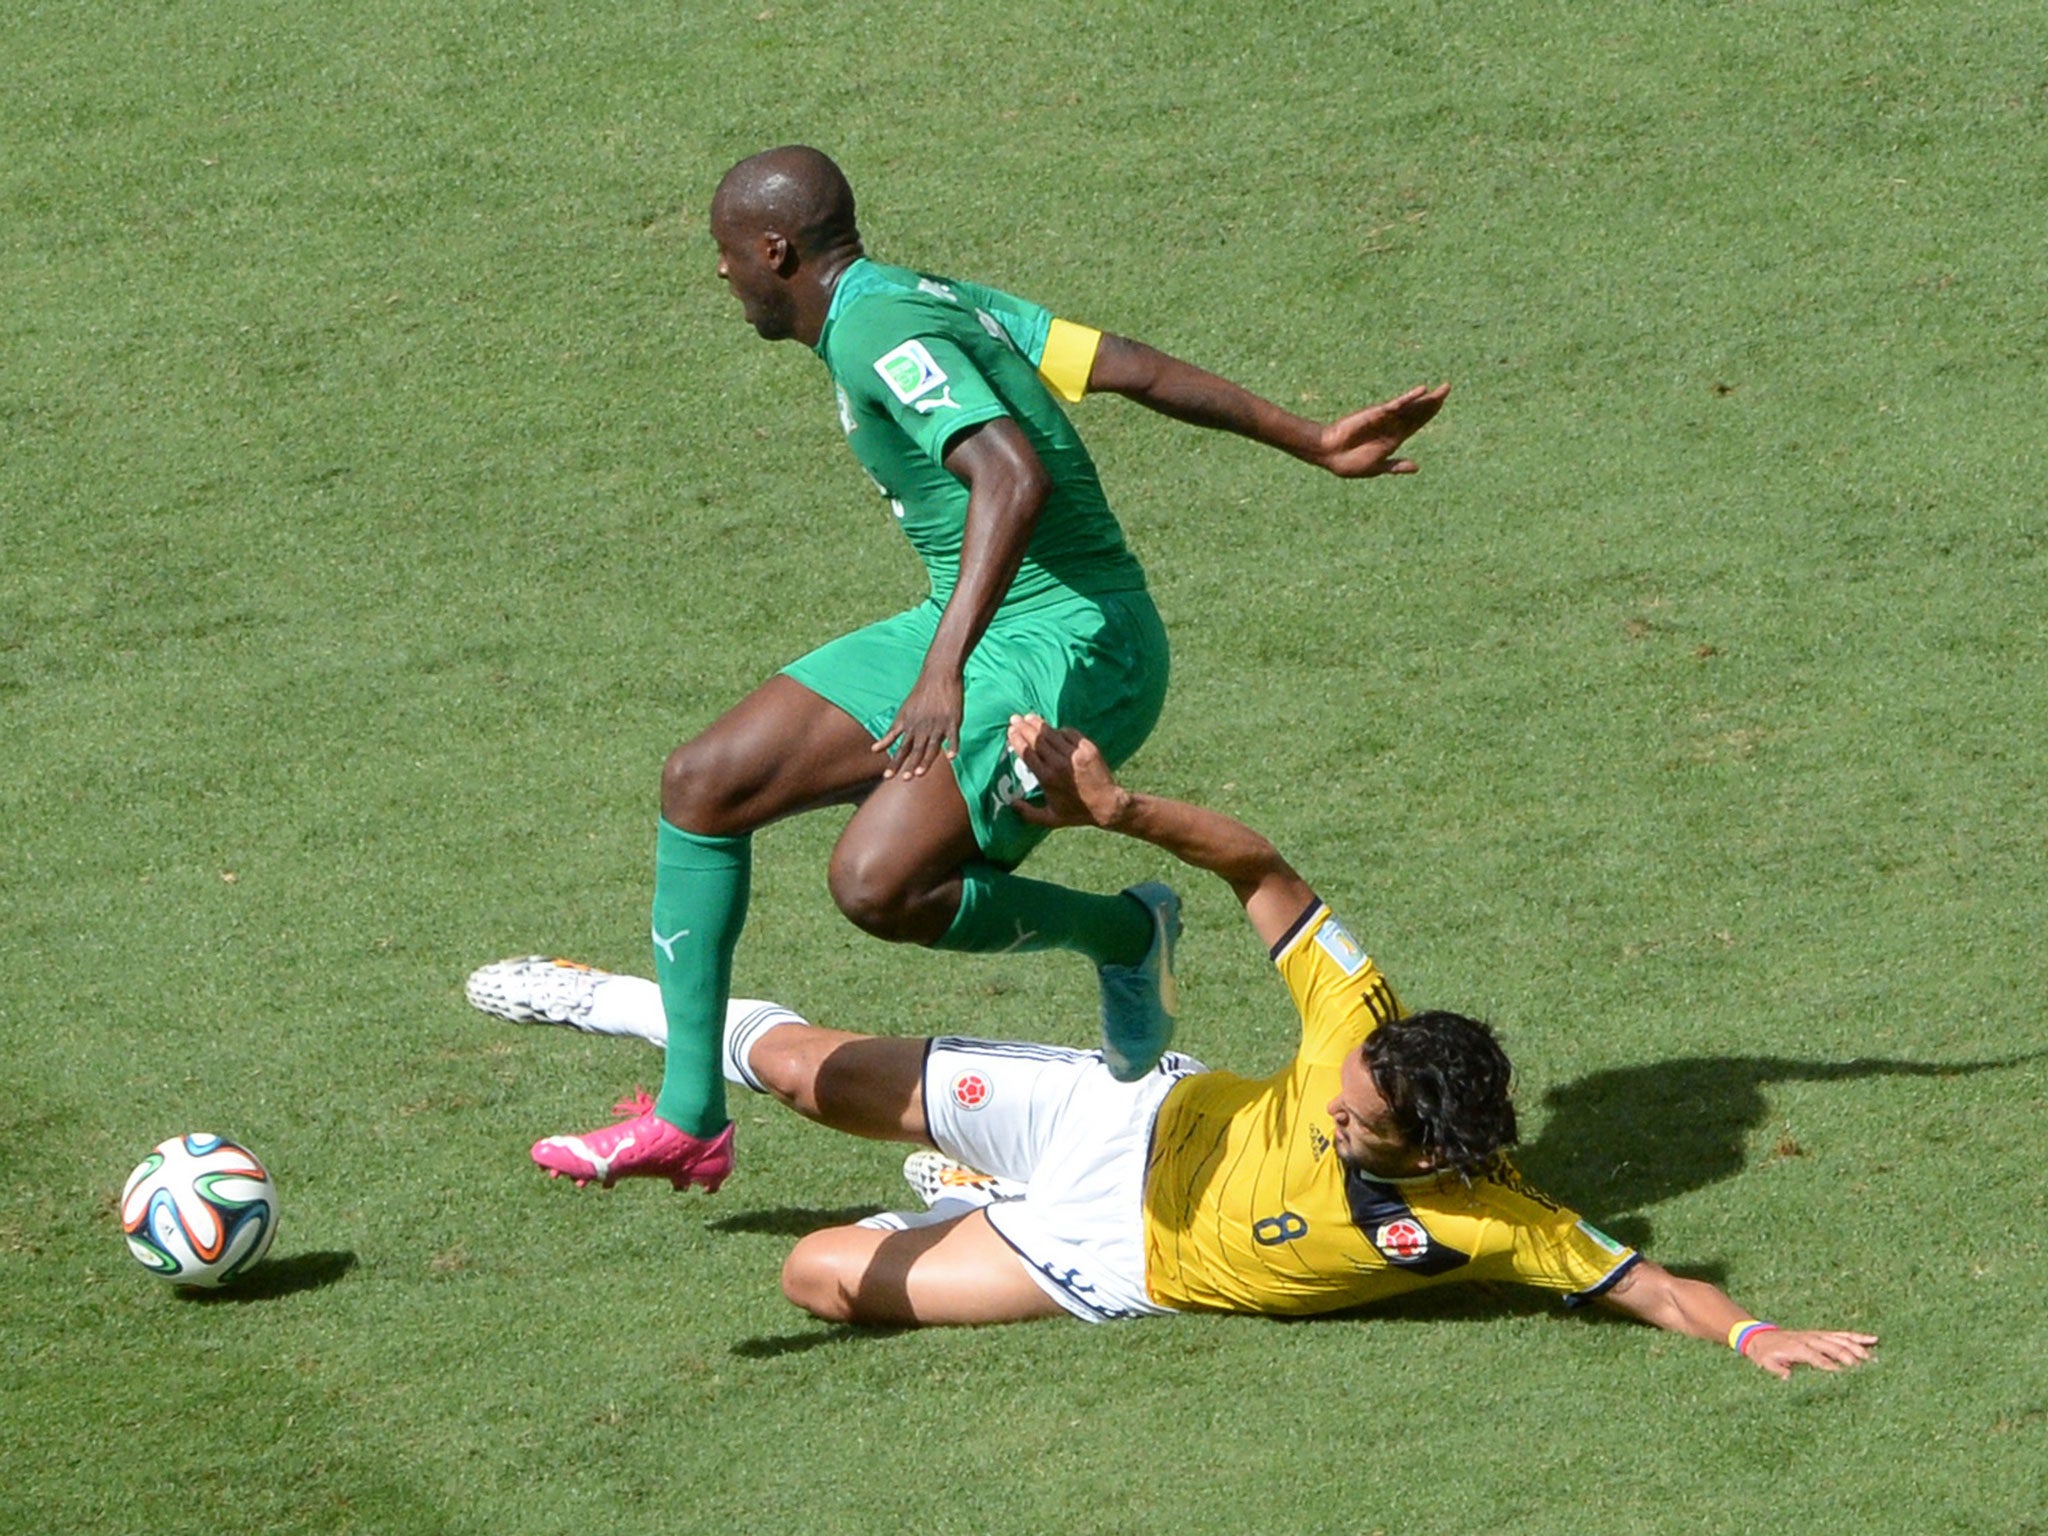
643	1146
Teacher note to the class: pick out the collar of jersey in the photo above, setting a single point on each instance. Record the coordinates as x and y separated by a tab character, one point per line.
840	288
1407	1181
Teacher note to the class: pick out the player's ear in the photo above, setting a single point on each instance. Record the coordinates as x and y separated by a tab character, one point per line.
779	252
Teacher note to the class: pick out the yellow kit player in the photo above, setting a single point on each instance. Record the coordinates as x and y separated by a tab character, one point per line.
1375	1162
1315	1189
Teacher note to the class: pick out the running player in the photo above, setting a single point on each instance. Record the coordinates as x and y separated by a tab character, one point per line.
1373	1163
945	391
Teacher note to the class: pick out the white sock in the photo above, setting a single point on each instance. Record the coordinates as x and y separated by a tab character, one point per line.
747	1019
631	1006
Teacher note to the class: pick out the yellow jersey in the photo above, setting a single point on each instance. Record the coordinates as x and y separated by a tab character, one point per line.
1248	1209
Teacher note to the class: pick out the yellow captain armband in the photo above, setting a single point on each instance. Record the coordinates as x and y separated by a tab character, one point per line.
1069	358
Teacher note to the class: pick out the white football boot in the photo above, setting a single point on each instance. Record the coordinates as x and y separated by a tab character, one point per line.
535	989
936	1179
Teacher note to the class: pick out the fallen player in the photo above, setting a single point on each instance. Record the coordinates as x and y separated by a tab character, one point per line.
1374	1163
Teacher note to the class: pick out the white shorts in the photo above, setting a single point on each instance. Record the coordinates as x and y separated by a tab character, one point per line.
1056	1121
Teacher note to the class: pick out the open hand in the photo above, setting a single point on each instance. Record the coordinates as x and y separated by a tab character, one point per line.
926	727
1824	1349
1364	443
1080	791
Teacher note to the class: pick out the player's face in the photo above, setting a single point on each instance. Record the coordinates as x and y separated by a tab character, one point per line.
1363	1129
745	265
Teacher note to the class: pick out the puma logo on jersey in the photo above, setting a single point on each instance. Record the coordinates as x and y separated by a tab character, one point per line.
945	402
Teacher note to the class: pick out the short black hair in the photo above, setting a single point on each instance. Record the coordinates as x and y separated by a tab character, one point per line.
1448	1083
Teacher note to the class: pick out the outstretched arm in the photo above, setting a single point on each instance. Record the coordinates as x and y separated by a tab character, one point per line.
1363	443
1081	791
1653	1294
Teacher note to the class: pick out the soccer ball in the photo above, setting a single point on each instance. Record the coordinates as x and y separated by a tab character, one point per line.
199	1210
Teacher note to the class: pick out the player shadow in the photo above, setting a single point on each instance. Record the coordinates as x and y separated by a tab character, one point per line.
778	1345
276	1277
791	1220
1621	1140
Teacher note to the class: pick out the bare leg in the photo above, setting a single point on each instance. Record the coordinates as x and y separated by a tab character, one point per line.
780	750
958	1272
895	871
784	749
865	1085
908	868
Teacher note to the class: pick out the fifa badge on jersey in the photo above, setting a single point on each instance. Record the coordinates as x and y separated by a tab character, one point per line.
1341	947
1403	1241
910	371
972	1090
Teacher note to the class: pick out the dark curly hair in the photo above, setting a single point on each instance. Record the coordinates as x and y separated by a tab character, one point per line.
1447	1082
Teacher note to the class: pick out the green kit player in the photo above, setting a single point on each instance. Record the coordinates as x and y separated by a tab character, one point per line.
945	391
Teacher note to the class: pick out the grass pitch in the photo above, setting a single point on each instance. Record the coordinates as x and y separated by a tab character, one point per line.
386	484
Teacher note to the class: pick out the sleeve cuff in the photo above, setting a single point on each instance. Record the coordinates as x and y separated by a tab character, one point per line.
1594	1292
942	440
1297	928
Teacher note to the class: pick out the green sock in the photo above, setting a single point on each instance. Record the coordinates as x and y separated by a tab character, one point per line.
1001	912
700	905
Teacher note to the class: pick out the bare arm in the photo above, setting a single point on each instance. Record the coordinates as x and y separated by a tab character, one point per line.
1081	791
1654	1295
1361	444
1006	490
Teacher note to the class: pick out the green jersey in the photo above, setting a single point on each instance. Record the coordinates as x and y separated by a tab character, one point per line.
916	360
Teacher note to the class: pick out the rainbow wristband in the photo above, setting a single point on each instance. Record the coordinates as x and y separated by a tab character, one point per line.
1741	1333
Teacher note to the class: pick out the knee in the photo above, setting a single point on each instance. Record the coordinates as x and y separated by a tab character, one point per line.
874	896
783	1062
699	792
816	1277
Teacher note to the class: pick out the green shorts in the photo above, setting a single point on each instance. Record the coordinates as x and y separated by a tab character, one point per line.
1097	665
